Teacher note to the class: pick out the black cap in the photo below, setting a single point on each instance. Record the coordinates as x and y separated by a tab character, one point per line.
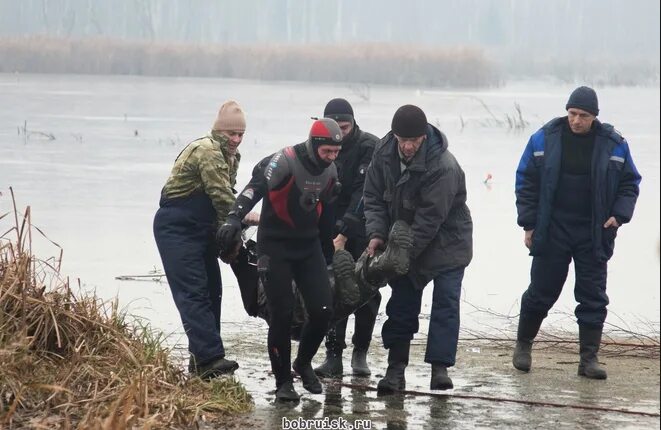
339	110
584	98
409	121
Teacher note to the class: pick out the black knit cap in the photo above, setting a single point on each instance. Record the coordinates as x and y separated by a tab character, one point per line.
339	110
584	98
409	121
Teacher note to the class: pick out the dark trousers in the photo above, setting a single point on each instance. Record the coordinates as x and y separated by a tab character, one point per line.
365	315
548	274
403	310
190	262
280	263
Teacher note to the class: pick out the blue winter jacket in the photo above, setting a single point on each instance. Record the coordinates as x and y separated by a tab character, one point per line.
615	184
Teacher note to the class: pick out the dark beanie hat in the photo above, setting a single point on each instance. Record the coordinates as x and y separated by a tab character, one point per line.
584	98
409	121
339	110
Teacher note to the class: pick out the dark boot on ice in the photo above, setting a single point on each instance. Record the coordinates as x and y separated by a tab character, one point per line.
359	363
214	368
590	339
310	380
526	333
439	378
332	366
395	380
286	393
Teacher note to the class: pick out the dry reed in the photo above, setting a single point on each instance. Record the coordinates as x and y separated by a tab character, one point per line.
74	361
357	63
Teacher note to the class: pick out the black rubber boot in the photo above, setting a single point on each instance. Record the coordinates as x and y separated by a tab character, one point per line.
396	259
346	292
439	378
590	339
526	333
213	369
332	366
286	393
310	380
359	363
395	380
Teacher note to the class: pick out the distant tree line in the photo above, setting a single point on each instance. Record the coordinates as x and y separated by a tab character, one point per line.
564	38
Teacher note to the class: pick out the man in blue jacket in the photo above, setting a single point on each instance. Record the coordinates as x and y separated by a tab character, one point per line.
415	179
576	184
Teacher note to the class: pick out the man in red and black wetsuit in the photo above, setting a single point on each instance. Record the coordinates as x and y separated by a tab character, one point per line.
297	184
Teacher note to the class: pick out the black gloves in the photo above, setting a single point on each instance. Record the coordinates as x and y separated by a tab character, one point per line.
229	234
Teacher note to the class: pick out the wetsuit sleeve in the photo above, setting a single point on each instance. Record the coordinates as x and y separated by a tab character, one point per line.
253	192
326	224
527	186
628	188
278	170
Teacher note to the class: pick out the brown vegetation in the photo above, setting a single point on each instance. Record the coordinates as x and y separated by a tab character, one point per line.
70	360
361	63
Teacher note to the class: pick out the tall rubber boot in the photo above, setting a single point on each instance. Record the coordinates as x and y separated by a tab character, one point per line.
439	378
359	363
332	366
526	333
395	380
287	393
590	339
310	380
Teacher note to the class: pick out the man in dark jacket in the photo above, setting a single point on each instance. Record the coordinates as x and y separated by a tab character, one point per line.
414	178
576	184
298	185
351	163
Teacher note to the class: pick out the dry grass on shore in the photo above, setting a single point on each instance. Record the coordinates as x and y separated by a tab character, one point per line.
357	63
74	361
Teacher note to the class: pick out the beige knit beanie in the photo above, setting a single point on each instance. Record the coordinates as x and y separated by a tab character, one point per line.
230	118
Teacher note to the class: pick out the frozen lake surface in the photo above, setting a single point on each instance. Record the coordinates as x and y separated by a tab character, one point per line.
95	188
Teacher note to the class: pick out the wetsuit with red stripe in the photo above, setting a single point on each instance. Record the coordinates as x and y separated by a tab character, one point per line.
296	218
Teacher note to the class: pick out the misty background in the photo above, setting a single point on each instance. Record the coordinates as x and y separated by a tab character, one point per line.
596	41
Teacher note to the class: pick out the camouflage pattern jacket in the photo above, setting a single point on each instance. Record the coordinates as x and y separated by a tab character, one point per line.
205	166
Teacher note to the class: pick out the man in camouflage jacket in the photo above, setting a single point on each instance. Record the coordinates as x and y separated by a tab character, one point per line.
194	201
